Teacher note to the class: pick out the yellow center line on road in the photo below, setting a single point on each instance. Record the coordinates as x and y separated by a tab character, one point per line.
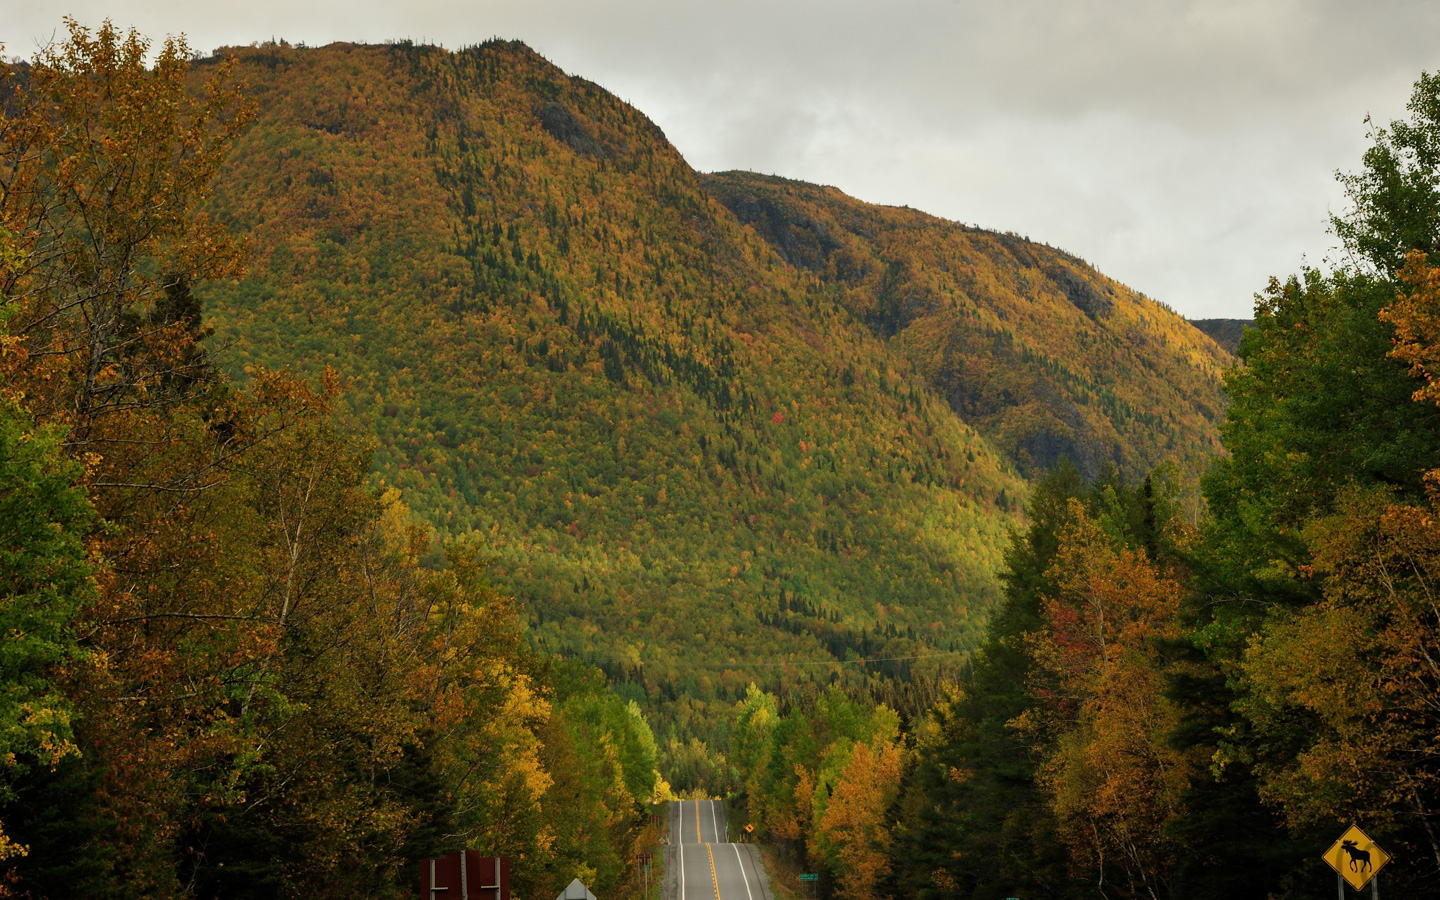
698	836
713	877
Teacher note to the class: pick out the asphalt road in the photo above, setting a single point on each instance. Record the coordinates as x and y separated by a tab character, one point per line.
702	864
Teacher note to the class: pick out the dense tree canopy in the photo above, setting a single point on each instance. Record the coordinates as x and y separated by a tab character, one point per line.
233	667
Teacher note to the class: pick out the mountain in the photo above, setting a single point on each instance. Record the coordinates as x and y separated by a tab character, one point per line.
1225	332
711	428
1042	354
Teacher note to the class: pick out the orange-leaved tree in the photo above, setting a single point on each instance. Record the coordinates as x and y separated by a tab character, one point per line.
853	825
105	160
1114	780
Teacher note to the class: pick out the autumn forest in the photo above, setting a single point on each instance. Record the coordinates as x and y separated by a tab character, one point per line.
405	449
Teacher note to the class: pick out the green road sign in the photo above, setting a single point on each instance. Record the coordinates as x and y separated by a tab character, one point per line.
809	876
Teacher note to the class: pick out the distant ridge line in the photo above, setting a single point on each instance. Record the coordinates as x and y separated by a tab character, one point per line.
1225	332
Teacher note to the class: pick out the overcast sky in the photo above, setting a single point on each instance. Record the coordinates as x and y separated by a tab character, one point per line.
1187	149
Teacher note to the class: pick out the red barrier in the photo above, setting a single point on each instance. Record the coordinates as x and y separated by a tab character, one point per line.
465	876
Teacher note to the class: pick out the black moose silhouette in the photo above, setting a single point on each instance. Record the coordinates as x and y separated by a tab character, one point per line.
1357	856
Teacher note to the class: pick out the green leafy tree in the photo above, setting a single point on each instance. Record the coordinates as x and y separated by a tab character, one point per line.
972	790
1395	198
1320	415
1318	404
45	579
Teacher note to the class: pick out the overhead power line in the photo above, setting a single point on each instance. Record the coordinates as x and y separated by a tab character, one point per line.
594	660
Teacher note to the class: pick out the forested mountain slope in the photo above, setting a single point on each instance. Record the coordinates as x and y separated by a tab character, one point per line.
1041	353
692	452
1225	332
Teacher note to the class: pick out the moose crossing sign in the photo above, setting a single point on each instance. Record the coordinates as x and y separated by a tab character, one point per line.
1357	858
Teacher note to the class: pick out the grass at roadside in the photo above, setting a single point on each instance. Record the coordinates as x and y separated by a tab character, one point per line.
784	871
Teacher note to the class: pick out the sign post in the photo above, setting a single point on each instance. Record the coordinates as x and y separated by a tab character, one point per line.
811	877
1357	861
644	861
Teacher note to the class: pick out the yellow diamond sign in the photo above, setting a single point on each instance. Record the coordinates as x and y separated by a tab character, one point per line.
1356	857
